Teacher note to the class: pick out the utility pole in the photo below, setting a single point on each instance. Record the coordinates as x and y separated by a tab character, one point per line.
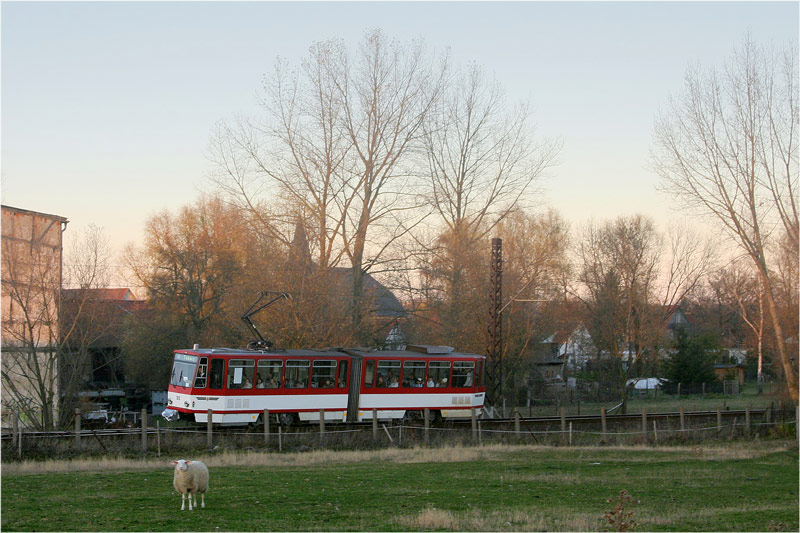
494	348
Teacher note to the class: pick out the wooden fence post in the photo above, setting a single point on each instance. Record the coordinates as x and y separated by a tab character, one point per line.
322	426
426	413
655	432
644	422
374	424
570	433
144	430
563	425
474	426
603	421
516	422
719	420
683	421
18	434
77	427
158	437
747	420
266	427
280	439
209	430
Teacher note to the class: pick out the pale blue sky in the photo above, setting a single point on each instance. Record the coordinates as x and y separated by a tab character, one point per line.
107	107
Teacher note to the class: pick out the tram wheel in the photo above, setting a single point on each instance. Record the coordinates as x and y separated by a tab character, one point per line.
287	419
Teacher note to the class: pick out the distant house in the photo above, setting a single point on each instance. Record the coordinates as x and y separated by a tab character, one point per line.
676	318
730	372
385	311
573	348
97	318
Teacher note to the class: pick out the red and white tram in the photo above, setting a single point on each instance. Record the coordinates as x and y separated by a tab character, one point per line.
294	385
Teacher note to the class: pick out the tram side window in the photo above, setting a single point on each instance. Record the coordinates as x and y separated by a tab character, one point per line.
462	373
216	376
202	374
323	374
297	371
269	374
369	373
479	374
341	382
240	373
414	374
388	374
439	373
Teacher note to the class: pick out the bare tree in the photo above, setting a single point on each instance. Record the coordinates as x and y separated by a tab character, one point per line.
83	320
296	150
482	162
482	156
728	148
630	278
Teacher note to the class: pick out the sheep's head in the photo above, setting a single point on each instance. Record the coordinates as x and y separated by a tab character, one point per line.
181	464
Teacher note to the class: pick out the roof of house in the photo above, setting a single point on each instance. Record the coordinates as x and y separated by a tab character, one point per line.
385	303
120	294
35	213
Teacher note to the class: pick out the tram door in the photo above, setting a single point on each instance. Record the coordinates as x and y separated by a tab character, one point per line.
216	376
353	395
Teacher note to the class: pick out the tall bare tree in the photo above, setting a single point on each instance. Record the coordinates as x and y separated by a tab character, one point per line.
728	148
482	163
334	142
482	156
297	150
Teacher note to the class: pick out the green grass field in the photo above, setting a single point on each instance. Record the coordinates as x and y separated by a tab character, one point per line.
732	486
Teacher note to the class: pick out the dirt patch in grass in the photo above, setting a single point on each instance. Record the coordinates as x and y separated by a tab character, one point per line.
432	519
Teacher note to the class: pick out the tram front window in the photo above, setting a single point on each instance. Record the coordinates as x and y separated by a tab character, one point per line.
183	370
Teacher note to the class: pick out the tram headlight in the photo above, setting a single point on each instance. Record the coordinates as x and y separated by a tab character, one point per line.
186	404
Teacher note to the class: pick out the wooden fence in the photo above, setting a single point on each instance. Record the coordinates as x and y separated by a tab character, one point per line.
151	438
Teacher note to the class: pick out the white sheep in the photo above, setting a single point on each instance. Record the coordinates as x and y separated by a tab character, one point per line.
191	477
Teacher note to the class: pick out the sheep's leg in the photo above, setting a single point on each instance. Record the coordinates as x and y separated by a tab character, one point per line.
183	501
190	502
202	500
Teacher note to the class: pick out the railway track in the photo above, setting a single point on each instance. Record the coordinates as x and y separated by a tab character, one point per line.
691	418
